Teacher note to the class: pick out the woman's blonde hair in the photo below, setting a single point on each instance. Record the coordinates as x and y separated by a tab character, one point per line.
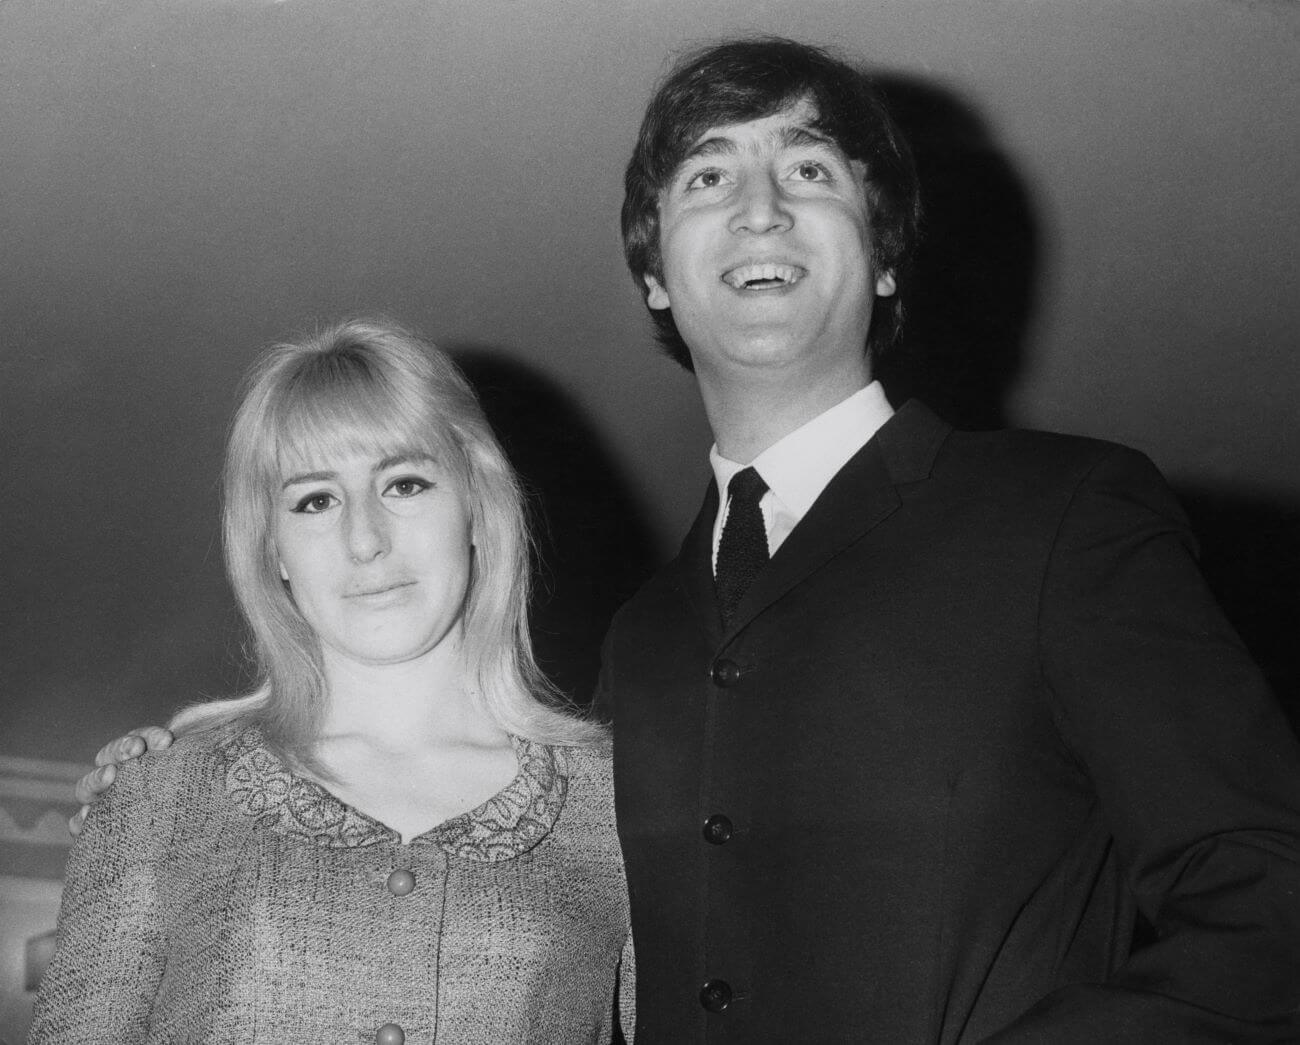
372	387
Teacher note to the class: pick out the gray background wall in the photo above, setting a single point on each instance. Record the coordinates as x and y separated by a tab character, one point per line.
1113	253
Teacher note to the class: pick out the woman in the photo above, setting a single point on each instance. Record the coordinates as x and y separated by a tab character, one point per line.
399	836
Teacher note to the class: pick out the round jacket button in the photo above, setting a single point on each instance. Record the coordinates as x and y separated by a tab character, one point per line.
725	672
715	995
717	829
400	883
390	1034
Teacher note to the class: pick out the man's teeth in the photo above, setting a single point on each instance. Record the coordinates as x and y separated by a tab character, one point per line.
761	277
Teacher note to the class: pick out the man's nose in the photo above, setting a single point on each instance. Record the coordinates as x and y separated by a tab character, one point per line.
368	536
761	206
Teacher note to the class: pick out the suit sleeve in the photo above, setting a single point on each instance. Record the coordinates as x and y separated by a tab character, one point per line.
109	952
1196	770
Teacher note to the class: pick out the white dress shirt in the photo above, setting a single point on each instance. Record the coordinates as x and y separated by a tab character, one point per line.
798	467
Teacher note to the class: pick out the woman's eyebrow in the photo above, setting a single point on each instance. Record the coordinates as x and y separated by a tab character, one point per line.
308	477
413	457
391	461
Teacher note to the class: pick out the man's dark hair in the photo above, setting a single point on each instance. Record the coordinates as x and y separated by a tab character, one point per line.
744	80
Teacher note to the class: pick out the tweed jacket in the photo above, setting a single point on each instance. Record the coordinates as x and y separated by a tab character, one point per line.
216	897
976	712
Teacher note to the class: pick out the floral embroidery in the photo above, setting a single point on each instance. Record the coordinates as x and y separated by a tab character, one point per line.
509	823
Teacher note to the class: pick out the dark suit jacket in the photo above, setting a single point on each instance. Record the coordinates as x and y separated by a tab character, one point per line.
977	710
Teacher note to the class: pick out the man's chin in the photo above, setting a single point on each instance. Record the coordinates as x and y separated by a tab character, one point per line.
767	348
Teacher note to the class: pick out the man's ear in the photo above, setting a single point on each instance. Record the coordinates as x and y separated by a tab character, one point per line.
657	296
885	285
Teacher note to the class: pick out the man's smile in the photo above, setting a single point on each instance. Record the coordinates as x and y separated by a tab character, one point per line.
763	276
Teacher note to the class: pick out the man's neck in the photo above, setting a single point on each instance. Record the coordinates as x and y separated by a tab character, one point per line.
753	412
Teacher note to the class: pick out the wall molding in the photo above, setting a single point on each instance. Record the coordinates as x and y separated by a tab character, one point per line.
36	800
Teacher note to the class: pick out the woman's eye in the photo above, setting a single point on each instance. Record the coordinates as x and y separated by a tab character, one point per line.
812	172
315	503
408	487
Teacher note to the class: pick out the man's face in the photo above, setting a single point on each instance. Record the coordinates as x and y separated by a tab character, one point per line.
766	249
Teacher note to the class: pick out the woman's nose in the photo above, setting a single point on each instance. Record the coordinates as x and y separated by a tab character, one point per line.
368	536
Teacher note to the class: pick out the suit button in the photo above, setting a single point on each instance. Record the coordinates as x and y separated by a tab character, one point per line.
725	673
715	995
717	829
390	1034
401	882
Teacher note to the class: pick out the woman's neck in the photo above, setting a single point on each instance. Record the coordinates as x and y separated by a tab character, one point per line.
409	744
414	705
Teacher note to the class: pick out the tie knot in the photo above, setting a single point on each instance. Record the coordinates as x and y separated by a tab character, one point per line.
746	487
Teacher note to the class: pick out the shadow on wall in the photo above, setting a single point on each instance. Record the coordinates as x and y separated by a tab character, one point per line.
593	546
1250	553
970	300
970	294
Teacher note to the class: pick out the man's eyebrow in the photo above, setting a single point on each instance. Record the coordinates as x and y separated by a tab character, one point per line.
795	136
799	137
715	146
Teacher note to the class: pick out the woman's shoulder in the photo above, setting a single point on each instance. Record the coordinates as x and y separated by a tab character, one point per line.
587	762
192	764
590	777
165	787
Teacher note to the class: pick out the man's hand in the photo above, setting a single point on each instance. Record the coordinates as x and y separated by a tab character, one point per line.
123	749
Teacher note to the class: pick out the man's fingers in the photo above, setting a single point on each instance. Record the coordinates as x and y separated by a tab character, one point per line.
95	783
78	822
100	779
155	737
119	750
133	745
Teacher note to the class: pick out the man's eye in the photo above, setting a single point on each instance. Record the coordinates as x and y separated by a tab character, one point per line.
812	172
315	503
705	180
408	486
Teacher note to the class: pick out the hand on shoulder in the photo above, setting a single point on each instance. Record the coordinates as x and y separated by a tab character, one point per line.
101	778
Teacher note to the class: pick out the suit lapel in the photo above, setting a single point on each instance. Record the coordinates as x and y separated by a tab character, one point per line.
860	497
693	567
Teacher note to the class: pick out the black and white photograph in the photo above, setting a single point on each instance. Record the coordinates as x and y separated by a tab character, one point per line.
580	523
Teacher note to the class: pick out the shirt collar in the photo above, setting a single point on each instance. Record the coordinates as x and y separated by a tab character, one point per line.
799	466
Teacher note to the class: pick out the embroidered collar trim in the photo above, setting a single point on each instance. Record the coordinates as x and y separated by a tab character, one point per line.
508	824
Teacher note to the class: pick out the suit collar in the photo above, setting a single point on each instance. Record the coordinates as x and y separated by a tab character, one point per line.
860	496
910	441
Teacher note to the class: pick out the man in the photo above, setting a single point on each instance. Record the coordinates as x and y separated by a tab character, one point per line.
900	756
918	721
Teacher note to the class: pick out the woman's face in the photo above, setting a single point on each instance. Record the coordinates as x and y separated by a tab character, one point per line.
377	552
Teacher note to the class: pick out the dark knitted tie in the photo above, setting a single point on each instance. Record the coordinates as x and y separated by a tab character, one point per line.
742	551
